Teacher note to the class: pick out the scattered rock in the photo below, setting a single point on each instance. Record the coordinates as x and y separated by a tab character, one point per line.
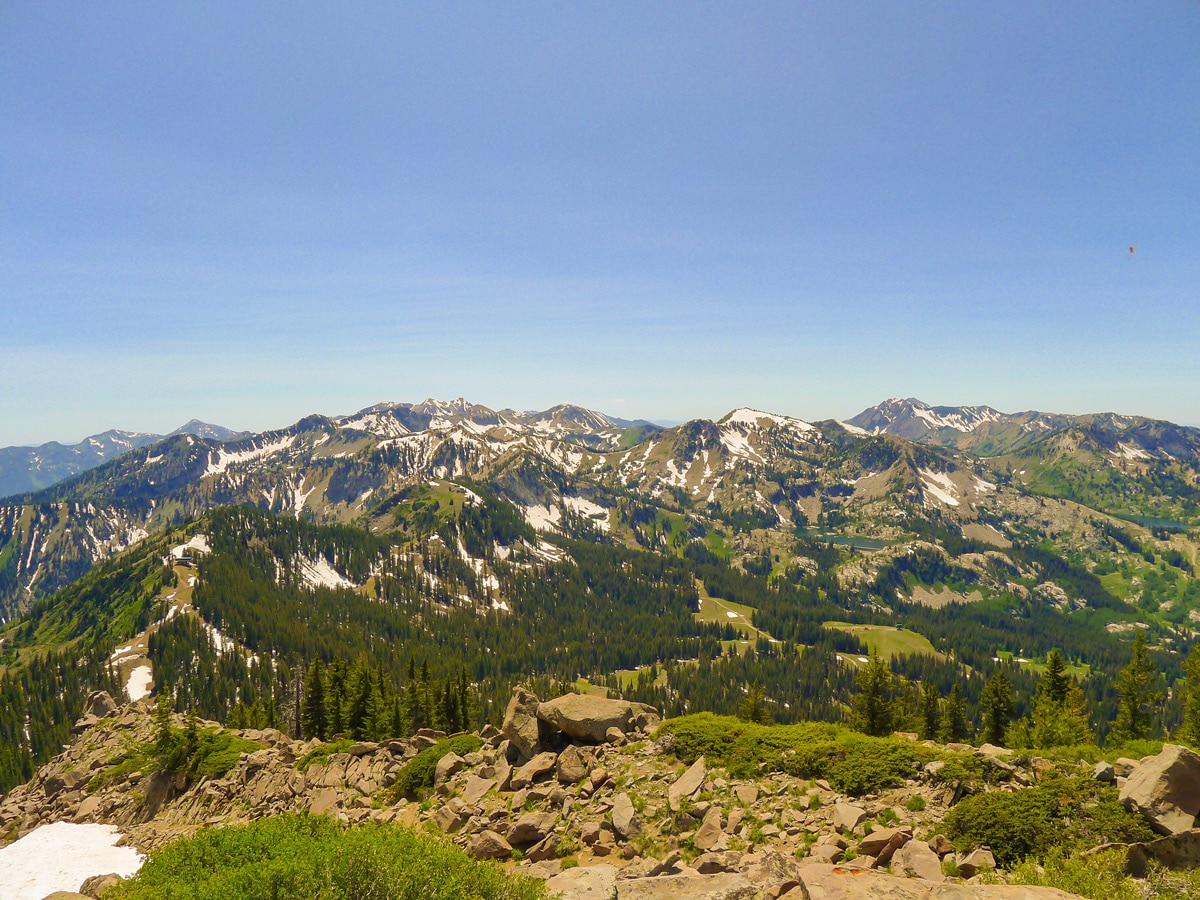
1165	789
709	834
773	872
916	859
624	817
531	828
97	884
489	845
324	802
1105	772
976	861
847	817
476	788
574	763
747	794
446	767
99	704
533	770
688	784
849	883
941	845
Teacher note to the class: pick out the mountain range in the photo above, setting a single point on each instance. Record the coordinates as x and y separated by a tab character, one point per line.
24	469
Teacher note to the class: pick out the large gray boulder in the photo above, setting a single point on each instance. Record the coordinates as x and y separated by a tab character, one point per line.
624	817
588	717
1165	789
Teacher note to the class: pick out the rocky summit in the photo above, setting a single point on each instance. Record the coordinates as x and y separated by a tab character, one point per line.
594	800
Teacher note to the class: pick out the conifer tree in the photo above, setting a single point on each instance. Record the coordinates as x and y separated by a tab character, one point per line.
930	711
872	705
954	719
335	698
1134	687
752	708
1189	731
1054	684
995	707
313	719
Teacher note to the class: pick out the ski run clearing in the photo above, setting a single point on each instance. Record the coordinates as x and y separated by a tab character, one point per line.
61	857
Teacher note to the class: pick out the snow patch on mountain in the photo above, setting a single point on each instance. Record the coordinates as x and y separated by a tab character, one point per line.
140	679
589	510
220	459
196	542
542	518
319	573
939	486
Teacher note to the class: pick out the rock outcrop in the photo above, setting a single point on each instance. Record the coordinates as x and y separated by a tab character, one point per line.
1166	790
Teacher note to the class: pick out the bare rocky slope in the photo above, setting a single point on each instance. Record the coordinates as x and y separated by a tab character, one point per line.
579	791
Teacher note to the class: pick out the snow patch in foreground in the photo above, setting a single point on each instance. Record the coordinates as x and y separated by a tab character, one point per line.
140	679
61	857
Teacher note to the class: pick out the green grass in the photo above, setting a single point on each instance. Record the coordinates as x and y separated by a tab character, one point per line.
1033	665
1100	877
888	641
302	858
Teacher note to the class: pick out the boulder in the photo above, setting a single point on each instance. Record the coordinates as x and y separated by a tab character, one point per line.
711	863
450	817
99	704
651	867
976	861
574	764
475	789
521	723
1104	771
774	873
489	845
747	794
880	838
847	883
584	883
847	817
531	828
587	717
324	802
446	767
1165	789
709	834
941	845
688	784
624	818
724	886
916	859
98	884
533	770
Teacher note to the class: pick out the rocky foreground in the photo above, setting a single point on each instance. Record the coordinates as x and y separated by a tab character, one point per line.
576	790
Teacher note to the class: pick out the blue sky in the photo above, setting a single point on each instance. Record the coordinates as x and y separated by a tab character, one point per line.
251	212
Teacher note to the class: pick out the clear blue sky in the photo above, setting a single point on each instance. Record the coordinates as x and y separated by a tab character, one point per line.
250	212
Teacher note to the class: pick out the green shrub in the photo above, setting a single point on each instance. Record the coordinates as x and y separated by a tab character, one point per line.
916	803
1101	877
1069	812
216	754
852	763
416	777
313	858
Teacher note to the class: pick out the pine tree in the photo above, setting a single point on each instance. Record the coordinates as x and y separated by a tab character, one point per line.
1054	684
164	739
335	698
930	711
752	708
872	705
995	707
1189	732
1060	725
954	719
313	719
1134	717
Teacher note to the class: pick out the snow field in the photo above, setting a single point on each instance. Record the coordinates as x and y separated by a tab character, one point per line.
61	857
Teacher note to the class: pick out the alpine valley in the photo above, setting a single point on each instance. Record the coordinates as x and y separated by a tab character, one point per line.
433	569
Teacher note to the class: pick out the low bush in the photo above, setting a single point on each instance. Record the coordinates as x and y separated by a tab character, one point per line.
1101	876
313	858
416	777
1068	812
851	762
